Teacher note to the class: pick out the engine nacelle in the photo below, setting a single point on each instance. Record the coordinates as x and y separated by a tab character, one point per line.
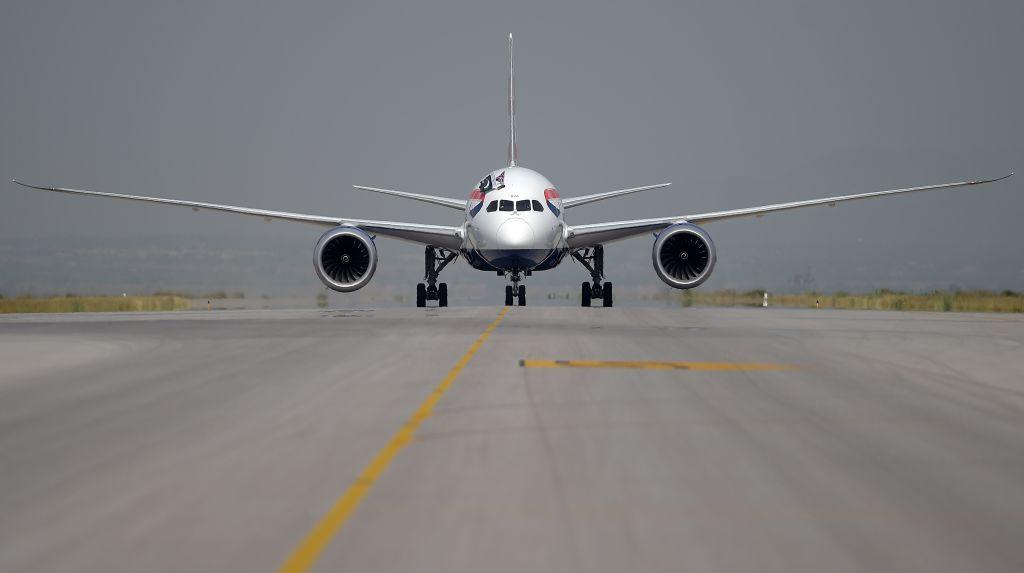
345	258
684	256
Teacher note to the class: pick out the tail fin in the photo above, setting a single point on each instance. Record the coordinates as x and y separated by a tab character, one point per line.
513	150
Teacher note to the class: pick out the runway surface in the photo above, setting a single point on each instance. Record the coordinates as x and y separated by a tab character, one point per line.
628	440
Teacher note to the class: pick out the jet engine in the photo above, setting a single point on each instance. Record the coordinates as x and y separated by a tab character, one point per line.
684	256
345	258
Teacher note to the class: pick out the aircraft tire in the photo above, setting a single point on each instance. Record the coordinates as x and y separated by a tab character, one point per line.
442	294
508	295
421	295
522	295
585	295
607	292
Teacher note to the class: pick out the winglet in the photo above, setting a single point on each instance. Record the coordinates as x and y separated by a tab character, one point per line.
980	181
30	186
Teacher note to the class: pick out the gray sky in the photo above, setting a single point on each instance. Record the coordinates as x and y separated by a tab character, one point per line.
284	105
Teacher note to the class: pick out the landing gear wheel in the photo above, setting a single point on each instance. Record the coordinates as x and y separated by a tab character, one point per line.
592	259
522	295
421	295
434	260
508	295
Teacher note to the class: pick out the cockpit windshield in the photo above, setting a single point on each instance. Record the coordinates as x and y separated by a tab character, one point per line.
520	205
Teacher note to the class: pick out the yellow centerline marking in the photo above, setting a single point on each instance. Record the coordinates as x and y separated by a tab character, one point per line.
655	365
306	554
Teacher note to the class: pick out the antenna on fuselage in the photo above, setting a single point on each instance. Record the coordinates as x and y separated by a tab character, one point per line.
513	150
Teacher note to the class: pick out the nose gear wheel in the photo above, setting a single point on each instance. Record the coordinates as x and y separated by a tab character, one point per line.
515	292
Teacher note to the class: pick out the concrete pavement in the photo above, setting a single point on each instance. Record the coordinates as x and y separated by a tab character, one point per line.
199	441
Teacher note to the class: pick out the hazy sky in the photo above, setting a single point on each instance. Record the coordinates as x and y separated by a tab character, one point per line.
283	105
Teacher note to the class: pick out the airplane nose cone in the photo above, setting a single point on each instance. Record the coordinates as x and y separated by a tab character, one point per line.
515	234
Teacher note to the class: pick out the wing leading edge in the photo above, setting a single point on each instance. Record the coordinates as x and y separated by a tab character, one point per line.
583	235
436	235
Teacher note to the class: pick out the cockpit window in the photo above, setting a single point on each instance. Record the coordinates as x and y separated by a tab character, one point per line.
537	206
492	206
523	205
504	205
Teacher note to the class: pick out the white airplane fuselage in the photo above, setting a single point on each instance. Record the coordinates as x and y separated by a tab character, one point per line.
514	222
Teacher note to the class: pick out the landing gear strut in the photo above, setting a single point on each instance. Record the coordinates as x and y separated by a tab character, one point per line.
515	290
435	260
592	258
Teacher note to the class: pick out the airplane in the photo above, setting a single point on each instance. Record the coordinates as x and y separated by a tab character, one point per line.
514	226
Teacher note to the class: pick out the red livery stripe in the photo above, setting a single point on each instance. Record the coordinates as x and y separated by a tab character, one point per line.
551	194
476	195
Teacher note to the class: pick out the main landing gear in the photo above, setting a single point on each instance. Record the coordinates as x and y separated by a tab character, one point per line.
515	290
593	259
435	259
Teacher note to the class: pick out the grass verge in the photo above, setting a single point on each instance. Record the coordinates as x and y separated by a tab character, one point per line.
972	301
93	304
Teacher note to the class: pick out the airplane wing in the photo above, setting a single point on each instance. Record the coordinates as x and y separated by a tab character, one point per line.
459	204
584	199
584	235
436	235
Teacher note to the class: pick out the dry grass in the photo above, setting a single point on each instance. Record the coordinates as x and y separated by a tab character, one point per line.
973	301
72	303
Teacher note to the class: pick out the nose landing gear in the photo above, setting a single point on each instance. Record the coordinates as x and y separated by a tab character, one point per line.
435	259
515	290
592	258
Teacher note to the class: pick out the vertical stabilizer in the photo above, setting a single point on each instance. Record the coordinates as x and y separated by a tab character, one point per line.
513	150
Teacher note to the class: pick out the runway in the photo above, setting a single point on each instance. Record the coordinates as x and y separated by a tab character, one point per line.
541	439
